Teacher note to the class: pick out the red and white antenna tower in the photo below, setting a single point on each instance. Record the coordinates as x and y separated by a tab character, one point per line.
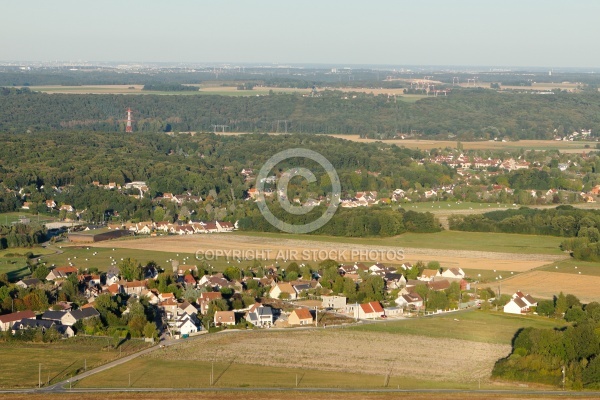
128	127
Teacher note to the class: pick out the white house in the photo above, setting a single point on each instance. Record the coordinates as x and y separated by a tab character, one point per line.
335	302
519	304
410	300
454	273
185	325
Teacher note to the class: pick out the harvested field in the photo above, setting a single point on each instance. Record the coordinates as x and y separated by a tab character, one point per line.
566	147
544	284
343	350
240	246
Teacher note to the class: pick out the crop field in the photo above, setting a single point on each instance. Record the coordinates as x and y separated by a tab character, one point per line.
60	360
320	357
393	251
545	284
565	147
279	395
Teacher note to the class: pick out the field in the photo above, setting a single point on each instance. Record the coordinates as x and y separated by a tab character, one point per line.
10	217
476	326
13	262
392	250
449	352
81	257
565	147
213	89
20	361
321	358
545	284
280	394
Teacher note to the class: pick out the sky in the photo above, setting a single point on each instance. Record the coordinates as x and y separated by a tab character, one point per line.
545	33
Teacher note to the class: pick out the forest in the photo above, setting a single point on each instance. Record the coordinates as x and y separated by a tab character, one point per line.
469	114
62	166
567	357
581	227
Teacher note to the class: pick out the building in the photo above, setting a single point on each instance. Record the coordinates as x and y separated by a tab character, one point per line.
260	316
8	320
334	302
224	318
300	316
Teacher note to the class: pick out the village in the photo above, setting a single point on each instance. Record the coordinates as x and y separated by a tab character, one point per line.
185	300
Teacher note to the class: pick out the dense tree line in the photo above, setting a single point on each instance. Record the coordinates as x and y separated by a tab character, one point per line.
560	221
470	114
580	226
541	355
169	87
21	235
355	222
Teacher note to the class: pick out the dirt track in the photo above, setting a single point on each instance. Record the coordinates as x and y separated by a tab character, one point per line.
249	247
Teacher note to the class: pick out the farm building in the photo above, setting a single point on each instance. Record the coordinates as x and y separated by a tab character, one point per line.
96	235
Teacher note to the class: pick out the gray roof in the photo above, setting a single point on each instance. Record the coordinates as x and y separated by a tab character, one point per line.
54	315
31	281
85	313
33	323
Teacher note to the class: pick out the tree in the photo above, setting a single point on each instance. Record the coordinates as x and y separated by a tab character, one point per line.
560	305
150	330
131	270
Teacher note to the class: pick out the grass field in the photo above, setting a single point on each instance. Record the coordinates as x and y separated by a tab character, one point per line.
60	360
81	257
456	351
9	218
13	261
571	266
476	326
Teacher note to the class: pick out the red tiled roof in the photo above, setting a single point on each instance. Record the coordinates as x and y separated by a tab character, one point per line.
303	313
17	316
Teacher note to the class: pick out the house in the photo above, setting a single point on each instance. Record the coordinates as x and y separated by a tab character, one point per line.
169	306
189	281
428	275
61	273
224	226
205	299
214	282
454	273
151	296
394	281
224	318
185	325
277	292
113	289
333	302
187	308
8	320
67	208
259	315
69	318
519	304
370	310
65	331
410	301
85	313
438	286
50	204
63	317
26	205
300	316
27	283
135	287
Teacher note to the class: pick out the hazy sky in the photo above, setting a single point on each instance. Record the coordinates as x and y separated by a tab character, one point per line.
549	33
